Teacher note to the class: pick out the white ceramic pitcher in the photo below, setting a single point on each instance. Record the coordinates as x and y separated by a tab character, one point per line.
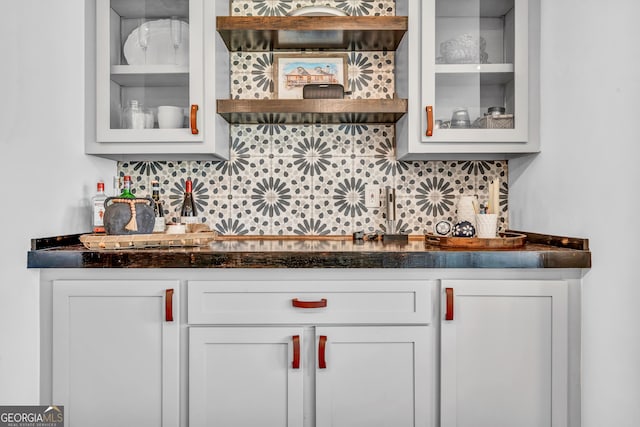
466	209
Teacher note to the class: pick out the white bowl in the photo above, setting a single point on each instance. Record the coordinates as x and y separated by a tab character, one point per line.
317	11
170	117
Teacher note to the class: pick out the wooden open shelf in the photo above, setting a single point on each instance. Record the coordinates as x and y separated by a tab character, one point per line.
289	111
266	33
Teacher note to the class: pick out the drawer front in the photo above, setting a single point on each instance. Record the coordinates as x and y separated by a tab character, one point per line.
310	302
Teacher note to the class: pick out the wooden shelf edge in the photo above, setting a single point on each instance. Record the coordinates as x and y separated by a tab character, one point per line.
312	23
309	111
318	33
311	105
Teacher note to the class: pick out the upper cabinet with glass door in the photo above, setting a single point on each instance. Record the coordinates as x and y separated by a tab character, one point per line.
479	87
150	91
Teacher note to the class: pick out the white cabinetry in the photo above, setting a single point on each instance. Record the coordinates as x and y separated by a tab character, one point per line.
366	342
318	371
504	353
475	55
157	53
244	377
115	352
374	376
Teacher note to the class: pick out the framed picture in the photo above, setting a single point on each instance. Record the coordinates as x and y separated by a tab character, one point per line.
291	71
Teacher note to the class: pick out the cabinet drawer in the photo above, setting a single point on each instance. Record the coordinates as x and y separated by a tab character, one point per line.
310	302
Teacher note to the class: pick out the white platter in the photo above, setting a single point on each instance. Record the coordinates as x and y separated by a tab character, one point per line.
160	50
317	11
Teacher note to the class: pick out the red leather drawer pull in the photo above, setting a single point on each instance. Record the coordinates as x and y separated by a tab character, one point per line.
296	352
429	120
322	350
168	305
194	119
309	304
449	313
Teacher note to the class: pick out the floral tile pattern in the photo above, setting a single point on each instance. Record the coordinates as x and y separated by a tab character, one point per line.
370	75
310	179
283	7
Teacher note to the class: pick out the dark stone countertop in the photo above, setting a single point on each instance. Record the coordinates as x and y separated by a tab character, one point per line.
540	251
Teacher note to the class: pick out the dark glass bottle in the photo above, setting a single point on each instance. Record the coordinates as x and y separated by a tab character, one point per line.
160	223
188	212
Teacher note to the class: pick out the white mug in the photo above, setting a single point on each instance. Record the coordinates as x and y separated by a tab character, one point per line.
170	117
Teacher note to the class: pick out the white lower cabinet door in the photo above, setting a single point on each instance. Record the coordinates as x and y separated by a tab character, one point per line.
116	352
374	376
246	376
504	353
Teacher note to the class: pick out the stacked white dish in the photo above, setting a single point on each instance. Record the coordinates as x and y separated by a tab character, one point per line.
160	48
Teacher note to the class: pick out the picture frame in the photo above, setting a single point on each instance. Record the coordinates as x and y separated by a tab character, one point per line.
291	71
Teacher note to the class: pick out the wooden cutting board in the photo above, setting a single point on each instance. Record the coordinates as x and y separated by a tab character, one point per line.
139	241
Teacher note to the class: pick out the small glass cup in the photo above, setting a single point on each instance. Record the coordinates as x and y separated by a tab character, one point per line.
460	118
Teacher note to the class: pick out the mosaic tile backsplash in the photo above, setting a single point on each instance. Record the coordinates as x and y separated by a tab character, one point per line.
310	179
283	7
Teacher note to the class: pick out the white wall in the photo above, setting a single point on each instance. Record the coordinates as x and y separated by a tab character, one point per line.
46	178
585	183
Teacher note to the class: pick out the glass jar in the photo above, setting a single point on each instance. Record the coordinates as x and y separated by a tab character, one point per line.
134	116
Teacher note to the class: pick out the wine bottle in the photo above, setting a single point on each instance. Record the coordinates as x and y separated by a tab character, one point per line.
160	224
188	211
126	188
97	206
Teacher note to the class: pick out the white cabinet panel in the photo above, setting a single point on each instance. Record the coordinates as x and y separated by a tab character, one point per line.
353	301
244	377
114	350
504	354
374	376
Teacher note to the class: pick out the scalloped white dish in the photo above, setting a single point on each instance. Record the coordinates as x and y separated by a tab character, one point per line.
160	49
317	11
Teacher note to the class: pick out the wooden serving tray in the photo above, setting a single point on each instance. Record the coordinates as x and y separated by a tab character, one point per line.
138	241
505	240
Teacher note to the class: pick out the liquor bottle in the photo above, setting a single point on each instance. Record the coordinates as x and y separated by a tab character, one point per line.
117	186
97	207
126	188
160	224
188	211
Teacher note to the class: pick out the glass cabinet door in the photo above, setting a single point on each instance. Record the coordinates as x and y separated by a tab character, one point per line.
149	70
475	66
